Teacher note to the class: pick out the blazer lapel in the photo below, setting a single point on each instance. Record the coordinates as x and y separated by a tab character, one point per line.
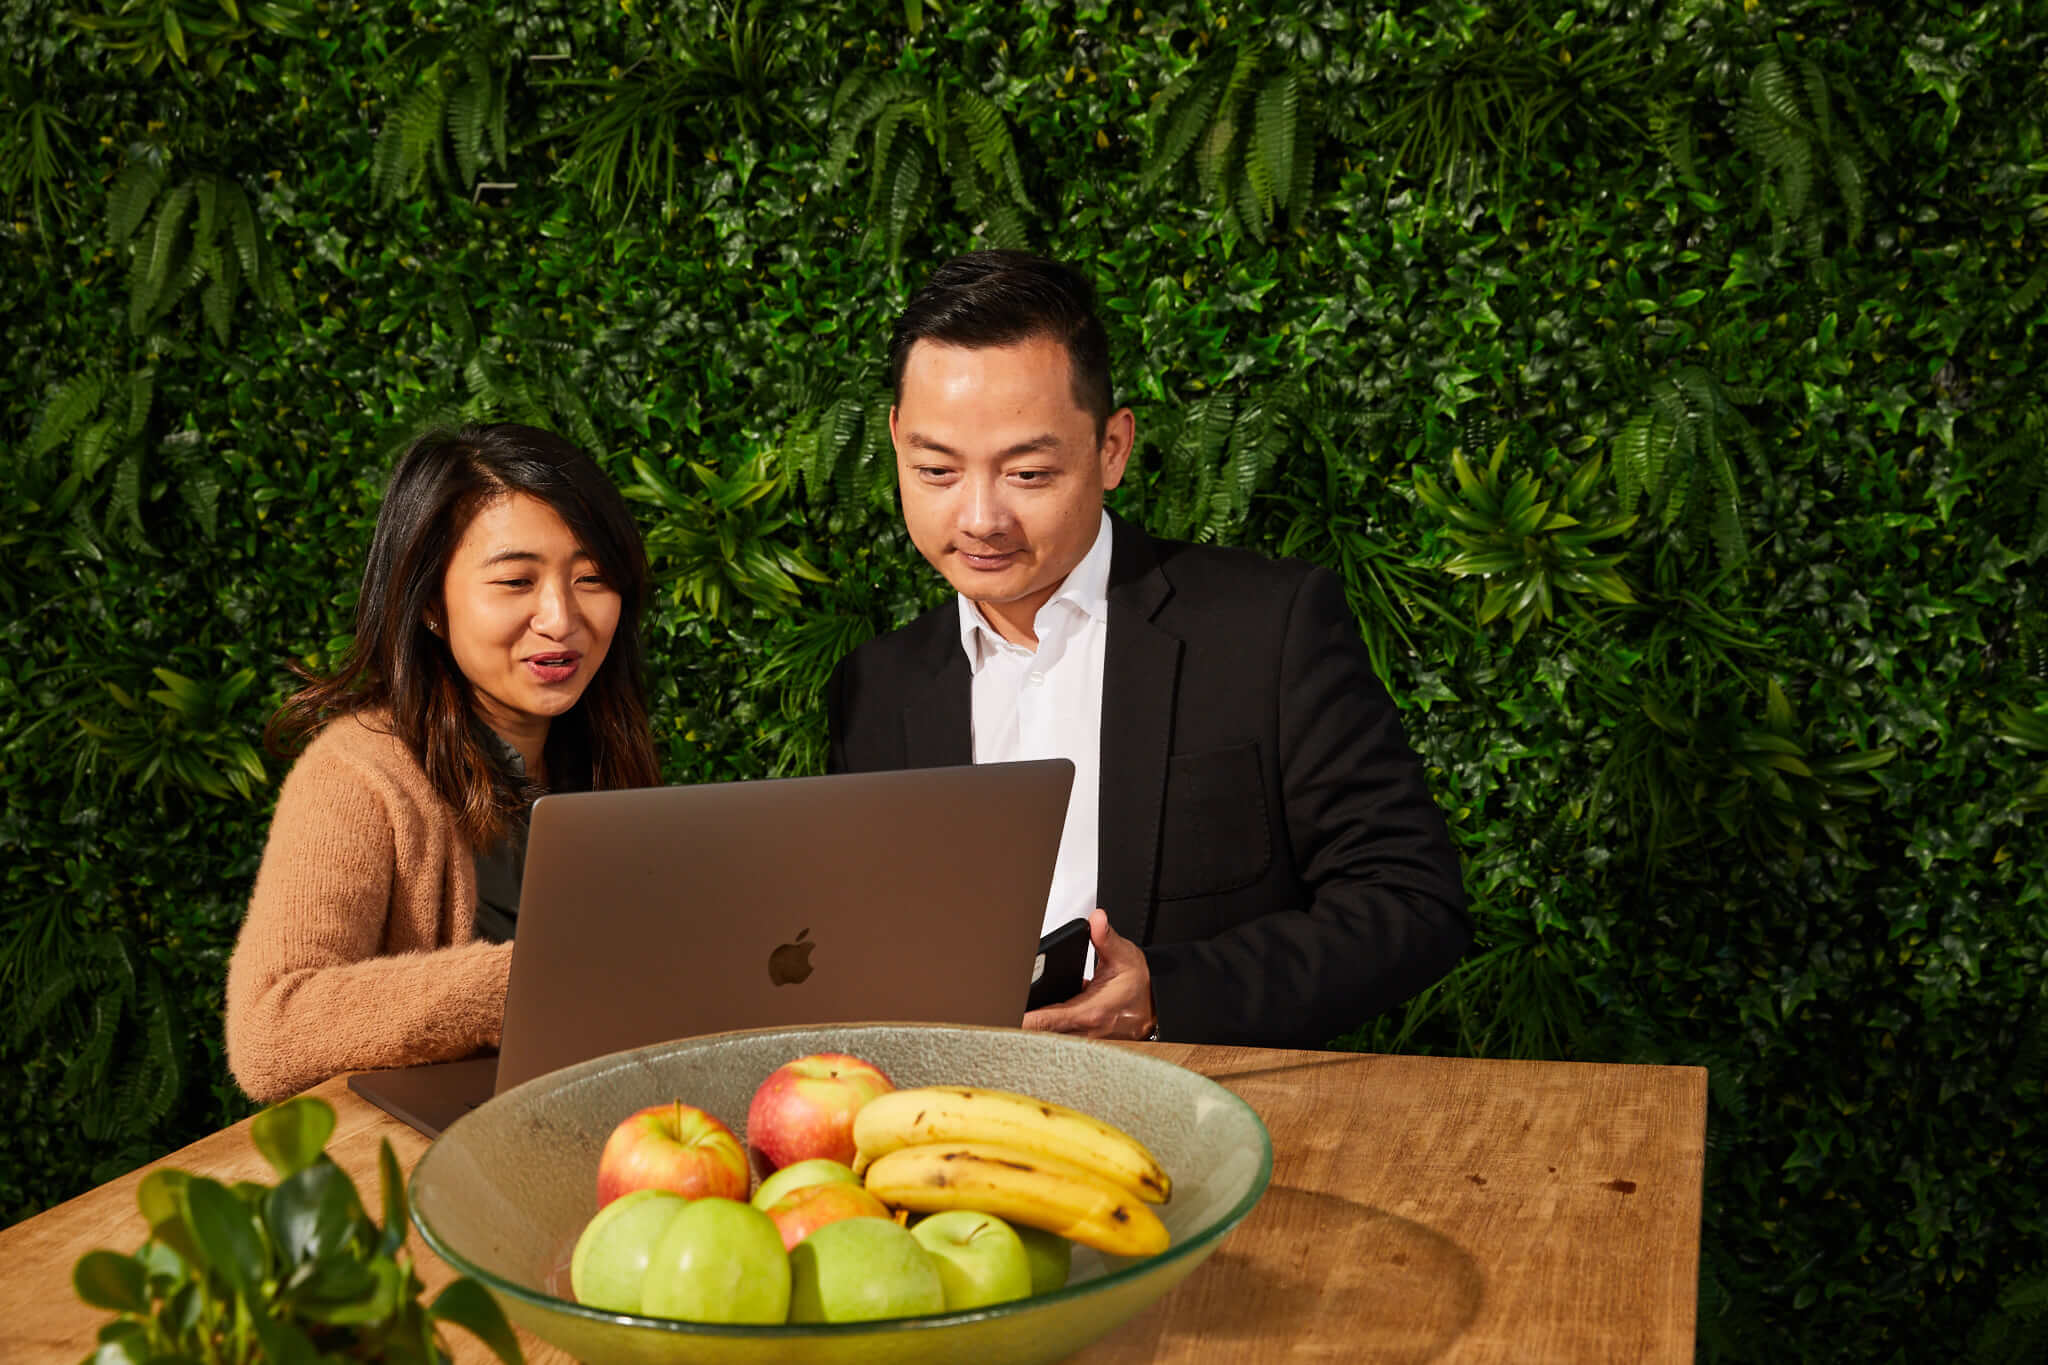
938	721
1139	675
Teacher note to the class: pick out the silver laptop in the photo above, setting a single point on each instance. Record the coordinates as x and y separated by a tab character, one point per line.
666	912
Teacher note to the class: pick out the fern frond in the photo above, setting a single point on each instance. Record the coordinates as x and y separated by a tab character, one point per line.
387	163
1244	205
191	270
1770	86
1257	441
206	199
461	326
88	1070
1276	118
837	432
36	1016
415	134
891	124
1181	113
200	492
797	455
466	128
129	198
160	256
216	305
92	448
1849	184
1672	131
568	403
125	503
1795	178
75	400
988	137
140	398
908	179
875	469
1731	542
489	84
1304	158
1817	101
858	100
957	162
2028	294
1005	228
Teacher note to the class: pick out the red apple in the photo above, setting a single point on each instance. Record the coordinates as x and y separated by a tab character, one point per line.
803	1211
805	1108
673	1147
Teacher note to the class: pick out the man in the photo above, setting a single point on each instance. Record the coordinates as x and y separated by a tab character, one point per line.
1249	833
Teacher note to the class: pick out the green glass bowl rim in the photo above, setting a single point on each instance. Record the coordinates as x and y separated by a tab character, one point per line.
767	1332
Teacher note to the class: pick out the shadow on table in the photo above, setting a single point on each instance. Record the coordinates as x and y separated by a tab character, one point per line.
1364	1285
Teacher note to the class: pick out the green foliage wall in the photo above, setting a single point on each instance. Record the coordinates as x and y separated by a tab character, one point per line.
1663	378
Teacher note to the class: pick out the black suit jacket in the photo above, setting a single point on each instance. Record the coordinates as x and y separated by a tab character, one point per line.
1266	833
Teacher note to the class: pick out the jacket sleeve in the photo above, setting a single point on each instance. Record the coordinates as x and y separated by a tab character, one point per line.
310	992
1384	910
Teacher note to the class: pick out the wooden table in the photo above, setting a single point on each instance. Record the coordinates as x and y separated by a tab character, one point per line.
1421	1209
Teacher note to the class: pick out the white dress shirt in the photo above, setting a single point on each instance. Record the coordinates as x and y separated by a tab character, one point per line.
1047	703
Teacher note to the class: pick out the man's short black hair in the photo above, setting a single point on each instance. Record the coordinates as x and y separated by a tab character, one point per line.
999	298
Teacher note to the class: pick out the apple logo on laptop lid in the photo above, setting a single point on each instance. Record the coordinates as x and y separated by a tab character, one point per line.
790	964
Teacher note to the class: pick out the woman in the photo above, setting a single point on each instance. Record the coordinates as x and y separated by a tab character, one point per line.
496	656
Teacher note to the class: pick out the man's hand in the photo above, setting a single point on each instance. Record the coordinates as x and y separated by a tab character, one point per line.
1117	1002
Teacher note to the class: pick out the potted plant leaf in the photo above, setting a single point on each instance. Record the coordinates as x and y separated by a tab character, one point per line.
287	1273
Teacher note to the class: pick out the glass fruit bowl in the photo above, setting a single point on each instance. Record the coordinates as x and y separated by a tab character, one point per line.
504	1193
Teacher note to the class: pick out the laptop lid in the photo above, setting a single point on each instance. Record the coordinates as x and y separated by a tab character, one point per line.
665	912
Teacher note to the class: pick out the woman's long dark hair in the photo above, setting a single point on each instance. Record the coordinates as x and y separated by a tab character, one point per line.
397	664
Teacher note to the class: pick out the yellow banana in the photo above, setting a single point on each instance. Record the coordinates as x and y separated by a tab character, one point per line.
1022	1187
961	1113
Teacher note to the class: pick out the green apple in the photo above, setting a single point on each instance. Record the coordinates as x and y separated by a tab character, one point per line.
719	1261
1051	1257
611	1256
818	1170
980	1258
859	1269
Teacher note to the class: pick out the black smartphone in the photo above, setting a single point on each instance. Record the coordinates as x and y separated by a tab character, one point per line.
1062	957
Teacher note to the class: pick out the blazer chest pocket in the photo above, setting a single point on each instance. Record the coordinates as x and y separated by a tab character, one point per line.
1215	836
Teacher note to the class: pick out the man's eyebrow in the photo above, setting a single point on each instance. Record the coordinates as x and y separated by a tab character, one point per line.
1046	441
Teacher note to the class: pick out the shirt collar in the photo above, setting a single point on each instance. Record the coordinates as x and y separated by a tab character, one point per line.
1086	588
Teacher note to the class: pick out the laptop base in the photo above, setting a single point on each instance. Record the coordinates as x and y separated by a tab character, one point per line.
431	1097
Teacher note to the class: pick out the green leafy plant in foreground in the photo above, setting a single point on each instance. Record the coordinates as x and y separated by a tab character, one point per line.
295	1272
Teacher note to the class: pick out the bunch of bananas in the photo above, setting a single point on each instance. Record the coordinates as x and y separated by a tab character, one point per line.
1022	1159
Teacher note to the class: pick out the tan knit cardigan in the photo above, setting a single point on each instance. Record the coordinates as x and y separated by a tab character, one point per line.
359	949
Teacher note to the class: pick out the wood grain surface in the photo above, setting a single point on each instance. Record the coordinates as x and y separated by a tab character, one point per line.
1421	1209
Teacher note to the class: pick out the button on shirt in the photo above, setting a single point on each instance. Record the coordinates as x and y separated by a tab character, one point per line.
1047	703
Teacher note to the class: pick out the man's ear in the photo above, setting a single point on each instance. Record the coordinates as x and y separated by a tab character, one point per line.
1119	435
892	424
